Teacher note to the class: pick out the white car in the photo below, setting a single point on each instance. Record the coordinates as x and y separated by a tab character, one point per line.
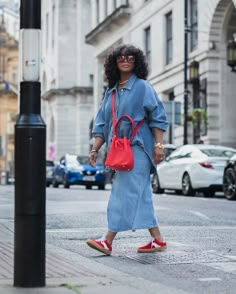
192	168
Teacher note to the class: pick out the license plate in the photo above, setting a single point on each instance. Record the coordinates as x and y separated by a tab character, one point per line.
89	178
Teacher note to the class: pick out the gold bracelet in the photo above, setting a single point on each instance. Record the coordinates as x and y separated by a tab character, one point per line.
93	151
159	146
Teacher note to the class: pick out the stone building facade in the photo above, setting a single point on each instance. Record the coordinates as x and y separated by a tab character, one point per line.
157	27
67	76
8	100
78	34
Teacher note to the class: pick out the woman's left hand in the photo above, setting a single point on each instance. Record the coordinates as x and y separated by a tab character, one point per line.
158	155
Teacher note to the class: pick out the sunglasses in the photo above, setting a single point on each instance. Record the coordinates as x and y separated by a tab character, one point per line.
124	58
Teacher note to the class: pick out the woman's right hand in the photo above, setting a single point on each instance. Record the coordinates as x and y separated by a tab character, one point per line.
93	158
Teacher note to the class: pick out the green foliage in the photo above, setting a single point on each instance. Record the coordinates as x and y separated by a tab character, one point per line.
198	114
73	288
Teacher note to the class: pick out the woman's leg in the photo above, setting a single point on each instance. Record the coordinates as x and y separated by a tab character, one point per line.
110	236
155	233
156	244
103	244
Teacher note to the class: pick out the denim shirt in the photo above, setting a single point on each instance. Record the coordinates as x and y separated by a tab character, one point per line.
139	100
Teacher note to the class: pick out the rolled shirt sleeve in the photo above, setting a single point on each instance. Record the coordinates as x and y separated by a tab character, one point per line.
99	123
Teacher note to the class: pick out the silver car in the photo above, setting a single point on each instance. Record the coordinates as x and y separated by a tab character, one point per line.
192	168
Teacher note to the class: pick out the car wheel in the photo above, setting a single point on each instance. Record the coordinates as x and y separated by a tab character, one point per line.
65	183
88	187
55	183
178	192
187	189
156	185
229	184
101	187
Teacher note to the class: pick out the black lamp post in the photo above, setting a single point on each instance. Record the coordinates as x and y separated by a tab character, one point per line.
231	55
30	157
194	80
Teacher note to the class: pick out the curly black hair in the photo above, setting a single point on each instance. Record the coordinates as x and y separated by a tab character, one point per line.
111	70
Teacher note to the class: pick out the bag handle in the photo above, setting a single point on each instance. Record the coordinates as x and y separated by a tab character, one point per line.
136	129
119	120
115	124
113	111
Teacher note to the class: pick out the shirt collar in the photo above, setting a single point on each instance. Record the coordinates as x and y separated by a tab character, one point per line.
128	85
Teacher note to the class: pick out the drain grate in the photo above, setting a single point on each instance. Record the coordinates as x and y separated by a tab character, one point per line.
179	257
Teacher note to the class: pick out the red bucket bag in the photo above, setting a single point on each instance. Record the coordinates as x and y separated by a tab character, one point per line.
120	154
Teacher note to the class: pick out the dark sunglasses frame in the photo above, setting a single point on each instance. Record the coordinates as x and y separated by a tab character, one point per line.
125	58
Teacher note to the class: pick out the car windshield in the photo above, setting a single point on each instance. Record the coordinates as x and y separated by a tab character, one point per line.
72	160
75	161
168	151
218	152
82	160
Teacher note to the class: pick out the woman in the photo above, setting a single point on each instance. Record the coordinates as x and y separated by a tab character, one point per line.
130	206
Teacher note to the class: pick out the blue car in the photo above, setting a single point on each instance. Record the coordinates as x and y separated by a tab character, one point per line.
75	170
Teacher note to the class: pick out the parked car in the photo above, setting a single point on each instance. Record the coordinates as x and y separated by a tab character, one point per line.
75	170
49	172
169	148
229	179
192	168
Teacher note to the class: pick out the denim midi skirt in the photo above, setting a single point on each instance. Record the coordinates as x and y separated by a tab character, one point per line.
130	206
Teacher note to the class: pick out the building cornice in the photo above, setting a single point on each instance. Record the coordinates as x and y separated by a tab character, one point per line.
119	15
67	91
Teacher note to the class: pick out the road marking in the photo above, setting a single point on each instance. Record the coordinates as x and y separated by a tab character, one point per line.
231	256
209	279
201	215
228	267
179	244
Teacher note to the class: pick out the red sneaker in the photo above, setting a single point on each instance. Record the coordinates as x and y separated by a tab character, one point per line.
153	246
101	245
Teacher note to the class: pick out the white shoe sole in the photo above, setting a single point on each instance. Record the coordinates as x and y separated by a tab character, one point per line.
152	250
94	245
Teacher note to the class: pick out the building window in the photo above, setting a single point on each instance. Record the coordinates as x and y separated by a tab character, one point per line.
91	79
53	26
147	35
14	75
169	38
47	31
98	10
203	106
105	8
193	24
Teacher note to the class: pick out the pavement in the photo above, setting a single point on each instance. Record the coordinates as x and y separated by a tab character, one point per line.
73	274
